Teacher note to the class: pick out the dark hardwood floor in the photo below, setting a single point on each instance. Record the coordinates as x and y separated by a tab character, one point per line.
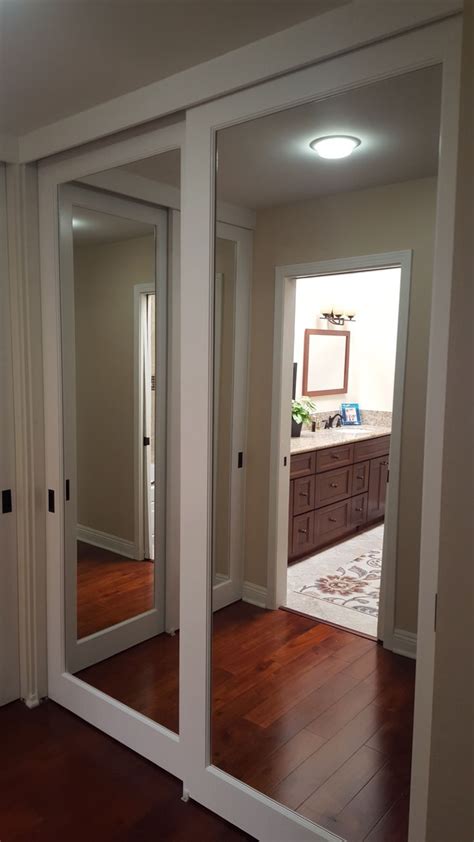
110	588
63	781
316	717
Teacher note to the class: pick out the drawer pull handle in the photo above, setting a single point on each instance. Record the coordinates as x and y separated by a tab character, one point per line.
334	485
332	519
304	493
360	476
384	463
359	508
335	456
303	531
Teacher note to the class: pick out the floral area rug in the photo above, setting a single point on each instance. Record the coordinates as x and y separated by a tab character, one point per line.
356	586
342	584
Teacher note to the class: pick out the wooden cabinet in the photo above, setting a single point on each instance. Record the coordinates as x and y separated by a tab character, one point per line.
377	487
303	494
335	492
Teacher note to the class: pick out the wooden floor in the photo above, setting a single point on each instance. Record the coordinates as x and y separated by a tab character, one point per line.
110	588
63	781
316	717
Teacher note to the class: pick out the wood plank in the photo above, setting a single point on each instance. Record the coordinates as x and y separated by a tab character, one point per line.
329	800
300	784
327	724
276	766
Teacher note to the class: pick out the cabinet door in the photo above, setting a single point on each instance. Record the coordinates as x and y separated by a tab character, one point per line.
377	487
359	510
303	495
360	478
303	534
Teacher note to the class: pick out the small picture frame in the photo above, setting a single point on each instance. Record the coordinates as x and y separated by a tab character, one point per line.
350	414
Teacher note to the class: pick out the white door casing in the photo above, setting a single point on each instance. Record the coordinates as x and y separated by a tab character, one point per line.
283	344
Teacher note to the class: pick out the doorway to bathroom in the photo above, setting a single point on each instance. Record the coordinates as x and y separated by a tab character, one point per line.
342	325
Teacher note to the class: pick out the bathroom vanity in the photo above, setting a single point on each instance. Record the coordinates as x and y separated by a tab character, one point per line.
338	483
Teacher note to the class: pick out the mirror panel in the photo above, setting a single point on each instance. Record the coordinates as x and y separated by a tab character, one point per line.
121	557
326	362
289	715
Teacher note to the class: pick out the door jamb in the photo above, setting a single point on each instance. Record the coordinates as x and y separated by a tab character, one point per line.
283	342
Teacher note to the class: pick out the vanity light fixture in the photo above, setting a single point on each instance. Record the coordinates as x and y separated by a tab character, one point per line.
338	317
335	146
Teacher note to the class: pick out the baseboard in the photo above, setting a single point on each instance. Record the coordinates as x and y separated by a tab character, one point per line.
404	643
107	542
254	594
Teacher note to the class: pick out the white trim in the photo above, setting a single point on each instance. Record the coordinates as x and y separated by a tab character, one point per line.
350	27
138	291
105	541
404	643
254	594
141	734
283	344
9	639
231	590
439	43
28	398
137	187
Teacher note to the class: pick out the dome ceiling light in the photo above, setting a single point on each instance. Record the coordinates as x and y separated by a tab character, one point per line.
335	146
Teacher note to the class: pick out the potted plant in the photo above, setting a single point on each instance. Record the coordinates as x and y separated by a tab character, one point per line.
301	412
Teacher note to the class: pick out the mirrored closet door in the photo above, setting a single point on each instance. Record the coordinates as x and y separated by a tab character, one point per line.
121	568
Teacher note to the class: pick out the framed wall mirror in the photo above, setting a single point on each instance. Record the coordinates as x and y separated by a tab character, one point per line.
326	362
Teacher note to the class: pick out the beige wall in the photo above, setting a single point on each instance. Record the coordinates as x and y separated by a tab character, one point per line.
451	785
105	276
225	264
389	218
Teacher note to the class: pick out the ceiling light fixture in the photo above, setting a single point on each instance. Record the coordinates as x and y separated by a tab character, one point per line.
335	146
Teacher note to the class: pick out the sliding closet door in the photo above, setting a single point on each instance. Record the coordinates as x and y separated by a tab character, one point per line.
9	664
114	374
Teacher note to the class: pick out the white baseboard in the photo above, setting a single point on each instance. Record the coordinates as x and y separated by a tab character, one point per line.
254	594
404	643
107	542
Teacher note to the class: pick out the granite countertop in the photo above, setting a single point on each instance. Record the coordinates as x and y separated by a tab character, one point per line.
338	435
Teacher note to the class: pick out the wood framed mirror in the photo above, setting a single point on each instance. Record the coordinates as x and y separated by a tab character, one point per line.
326	362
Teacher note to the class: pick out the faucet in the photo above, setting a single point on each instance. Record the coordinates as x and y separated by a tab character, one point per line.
328	424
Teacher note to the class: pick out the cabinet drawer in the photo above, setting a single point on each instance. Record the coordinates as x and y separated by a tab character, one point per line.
302	534
303	494
360	478
359	509
371	448
332	522
333	486
334	457
302	464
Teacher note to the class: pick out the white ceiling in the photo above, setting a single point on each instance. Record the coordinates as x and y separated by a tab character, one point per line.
59	57
96	228
269	162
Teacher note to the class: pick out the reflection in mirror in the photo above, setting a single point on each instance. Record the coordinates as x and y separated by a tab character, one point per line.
303	699
121	551
224	326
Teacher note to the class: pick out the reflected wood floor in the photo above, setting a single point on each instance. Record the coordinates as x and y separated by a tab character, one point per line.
110	588
316	717
61	780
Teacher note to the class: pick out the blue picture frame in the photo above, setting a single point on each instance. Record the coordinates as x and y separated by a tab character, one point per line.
350	414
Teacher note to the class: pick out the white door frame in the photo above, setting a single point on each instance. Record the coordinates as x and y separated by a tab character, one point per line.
138	732
139	291
9	642
433	44
82	652
283	344
230	589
